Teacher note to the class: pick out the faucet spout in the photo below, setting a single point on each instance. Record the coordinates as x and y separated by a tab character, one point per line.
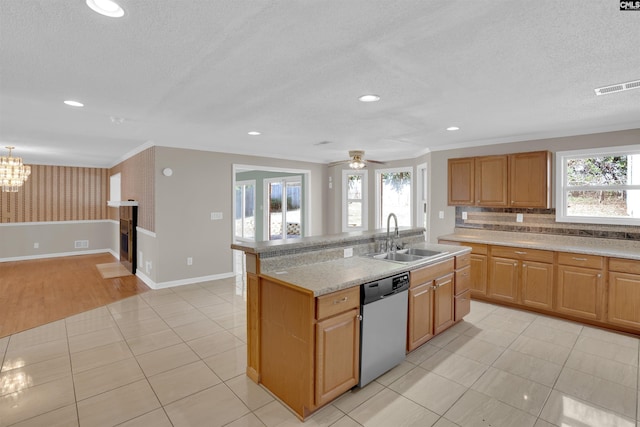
395	234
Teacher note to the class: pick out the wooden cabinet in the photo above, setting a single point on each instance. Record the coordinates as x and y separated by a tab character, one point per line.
521	180
337	355
478	263
310	347
491	181
624	293
431	304
521	276
462	291
530	180
580	285
461	178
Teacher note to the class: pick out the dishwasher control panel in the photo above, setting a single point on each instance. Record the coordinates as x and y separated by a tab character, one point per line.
382	288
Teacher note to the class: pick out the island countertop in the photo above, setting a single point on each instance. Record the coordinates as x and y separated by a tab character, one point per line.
330	276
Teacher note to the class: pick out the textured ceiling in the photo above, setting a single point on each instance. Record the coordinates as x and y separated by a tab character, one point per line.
202	73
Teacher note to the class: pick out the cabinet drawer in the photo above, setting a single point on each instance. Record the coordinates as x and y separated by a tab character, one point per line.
462	305
624	265
522	253
463	280
337	302
431	272
463	261
580	260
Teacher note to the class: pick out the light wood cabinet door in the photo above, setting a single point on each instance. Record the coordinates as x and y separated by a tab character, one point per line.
478	282
503	279
624	299
420	322
491	181
580	292
530	180
337	355
461	185
443	304
537	284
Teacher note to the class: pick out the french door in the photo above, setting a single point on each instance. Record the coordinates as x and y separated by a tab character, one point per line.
283	201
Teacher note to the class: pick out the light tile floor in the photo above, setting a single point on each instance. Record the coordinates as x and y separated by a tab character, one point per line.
176	357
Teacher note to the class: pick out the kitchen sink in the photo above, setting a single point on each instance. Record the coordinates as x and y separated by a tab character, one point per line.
406	256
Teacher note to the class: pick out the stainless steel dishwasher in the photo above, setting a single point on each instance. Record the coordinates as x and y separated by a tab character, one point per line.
383	333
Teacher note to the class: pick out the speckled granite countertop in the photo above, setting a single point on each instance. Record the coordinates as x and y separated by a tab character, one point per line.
330	276
584	245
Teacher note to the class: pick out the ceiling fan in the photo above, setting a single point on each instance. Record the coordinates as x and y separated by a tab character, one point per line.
356	161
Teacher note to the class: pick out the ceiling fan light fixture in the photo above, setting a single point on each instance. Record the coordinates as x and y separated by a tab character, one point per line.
369	98
106	7
356	164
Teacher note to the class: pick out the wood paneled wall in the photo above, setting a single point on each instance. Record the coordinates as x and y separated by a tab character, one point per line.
58	193
138	183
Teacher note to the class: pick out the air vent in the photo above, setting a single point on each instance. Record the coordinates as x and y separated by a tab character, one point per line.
620	87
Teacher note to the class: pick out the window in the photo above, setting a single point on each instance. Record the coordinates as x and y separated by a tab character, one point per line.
354	196
393	195
245	221
600	186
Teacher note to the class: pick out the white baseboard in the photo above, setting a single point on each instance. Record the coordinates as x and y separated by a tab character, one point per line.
181	282
60	254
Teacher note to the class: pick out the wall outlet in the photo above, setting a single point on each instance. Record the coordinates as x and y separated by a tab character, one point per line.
36	245
189	261
441	214
216	215
148	267
81	244
464	215
348	252
519	217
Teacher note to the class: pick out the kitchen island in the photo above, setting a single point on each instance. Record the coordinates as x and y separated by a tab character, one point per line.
303	308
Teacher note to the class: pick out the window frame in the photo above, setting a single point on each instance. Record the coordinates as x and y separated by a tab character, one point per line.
378	199
364	200
561	158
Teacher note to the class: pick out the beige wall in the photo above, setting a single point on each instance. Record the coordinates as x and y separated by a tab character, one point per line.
438	166
202	183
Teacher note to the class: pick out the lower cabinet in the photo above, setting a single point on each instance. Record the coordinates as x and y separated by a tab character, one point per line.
337	355
521	276
580	286
310	347
431	302
624	293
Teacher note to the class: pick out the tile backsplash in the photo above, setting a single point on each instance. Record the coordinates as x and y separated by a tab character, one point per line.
538	221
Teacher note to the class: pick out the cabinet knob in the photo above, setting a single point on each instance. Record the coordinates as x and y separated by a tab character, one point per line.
524	265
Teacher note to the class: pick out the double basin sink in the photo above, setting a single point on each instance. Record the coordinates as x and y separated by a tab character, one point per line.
406	256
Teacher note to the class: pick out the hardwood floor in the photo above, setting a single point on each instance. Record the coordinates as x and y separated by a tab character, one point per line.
36	292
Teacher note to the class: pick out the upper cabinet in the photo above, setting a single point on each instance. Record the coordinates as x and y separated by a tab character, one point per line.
521	180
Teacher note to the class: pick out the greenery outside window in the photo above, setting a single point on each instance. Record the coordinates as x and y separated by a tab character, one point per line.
394	195
599	186
354	196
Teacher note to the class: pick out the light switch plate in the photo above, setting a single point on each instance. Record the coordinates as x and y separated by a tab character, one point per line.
441	214
216	215
519	217
464	215
348	252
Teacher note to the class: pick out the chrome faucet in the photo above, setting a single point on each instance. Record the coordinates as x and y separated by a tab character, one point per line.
390	242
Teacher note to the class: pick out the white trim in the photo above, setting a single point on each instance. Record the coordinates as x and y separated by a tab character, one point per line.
138	149
364	199
88	221
118	203
422	188
59	254
561	178
145	232
181	282
378	202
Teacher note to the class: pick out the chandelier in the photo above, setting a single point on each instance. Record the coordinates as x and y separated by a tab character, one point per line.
13	173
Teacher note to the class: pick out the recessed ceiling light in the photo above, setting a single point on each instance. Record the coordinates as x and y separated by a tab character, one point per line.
452	128
106	7
73	103
254	133
369	98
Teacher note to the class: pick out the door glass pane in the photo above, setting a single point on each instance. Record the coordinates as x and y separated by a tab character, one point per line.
293	212
275	210
249	213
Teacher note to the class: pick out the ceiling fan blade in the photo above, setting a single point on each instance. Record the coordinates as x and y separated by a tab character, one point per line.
341	162
375	161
